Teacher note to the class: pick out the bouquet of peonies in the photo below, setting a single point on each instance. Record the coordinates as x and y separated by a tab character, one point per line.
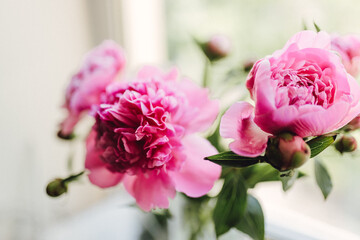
146	129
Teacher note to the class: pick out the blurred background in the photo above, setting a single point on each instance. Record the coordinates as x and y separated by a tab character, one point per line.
42	43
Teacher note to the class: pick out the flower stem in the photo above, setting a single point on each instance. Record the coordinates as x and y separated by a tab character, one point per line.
73	177
206	76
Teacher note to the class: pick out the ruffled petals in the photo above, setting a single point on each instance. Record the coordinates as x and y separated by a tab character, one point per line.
99	174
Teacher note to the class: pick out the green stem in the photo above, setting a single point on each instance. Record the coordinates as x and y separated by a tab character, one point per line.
73	177
254	178
206	73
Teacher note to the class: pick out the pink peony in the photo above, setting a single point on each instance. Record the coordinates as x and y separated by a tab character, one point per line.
144	137
100	67
302	89
349	49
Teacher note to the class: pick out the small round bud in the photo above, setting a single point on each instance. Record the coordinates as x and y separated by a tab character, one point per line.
56	188
346	144
353	124
70	136
287	151
248	65
217	47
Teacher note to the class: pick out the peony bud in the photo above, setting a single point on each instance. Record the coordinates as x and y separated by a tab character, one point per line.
63	136
56	187
217	47
247	66
287	151
346	144
353	124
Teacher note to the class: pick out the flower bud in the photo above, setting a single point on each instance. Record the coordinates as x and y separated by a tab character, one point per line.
247	66
287	151
353	124
63	136
346	144
56	188
217	47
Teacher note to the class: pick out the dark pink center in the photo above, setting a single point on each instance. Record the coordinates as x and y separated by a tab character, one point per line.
134	127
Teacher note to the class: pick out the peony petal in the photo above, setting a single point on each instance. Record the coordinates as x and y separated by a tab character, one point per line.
104	178
264	91
355	102
232	118
306	121
151	189
310	39
251	78
349	49
196	176
237	123
202	111
99	174
320	122
278	120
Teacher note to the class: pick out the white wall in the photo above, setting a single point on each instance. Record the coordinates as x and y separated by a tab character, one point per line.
41	44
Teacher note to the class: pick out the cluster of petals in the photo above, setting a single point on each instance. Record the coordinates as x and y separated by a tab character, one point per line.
349	49
303	89
145	137
100	67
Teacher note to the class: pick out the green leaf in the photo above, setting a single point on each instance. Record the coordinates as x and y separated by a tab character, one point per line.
304	25
319	144
317	27
231	159
323	179
230	205
198	43
301	174
253	221
289	180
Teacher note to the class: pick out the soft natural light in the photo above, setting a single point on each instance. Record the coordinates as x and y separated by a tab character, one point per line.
43	44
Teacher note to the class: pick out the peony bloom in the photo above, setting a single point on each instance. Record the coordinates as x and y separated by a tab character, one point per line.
349	49
302	89
100	67
144	136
